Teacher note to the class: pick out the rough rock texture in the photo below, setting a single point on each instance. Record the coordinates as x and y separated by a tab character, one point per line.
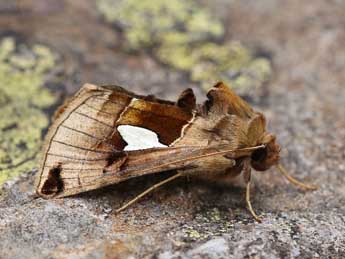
185	219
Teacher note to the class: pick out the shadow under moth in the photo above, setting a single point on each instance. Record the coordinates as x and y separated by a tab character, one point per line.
106	134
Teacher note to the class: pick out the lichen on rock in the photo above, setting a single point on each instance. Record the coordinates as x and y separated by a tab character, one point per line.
23	72
186	36
207	224
148	23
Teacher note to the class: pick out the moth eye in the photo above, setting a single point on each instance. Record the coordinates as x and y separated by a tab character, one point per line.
259	155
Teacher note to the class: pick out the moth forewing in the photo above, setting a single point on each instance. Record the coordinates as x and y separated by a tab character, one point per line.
84	147
69	131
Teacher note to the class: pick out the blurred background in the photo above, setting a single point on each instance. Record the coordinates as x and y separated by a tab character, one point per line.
287	58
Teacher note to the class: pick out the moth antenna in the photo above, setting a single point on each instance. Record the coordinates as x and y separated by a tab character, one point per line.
148	191
294	181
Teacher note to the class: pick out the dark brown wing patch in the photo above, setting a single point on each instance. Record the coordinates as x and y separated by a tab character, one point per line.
165	120
53	184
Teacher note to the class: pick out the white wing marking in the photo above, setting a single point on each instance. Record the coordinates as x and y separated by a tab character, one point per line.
138	138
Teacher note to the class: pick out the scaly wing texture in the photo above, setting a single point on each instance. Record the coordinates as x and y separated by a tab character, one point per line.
221	100
249	126
224	118
84	149
81	140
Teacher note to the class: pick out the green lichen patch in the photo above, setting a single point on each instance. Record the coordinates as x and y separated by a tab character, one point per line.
186	36
148	22
208	224
23	72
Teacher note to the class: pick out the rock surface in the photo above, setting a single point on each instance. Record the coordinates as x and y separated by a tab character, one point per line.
195	219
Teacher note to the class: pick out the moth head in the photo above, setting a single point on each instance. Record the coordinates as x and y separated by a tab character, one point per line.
264	158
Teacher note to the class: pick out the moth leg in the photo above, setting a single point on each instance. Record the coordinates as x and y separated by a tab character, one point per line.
247	179
148	191
294	181
250	208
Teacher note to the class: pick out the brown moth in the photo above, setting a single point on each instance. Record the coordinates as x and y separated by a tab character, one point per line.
105	135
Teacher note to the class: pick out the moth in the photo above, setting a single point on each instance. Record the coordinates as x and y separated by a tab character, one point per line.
105	135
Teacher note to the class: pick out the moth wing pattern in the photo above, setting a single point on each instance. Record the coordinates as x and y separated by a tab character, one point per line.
80	141
84	151
224	118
